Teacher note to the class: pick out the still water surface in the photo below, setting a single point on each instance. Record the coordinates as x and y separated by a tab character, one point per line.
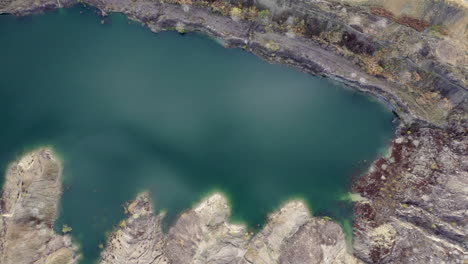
128	110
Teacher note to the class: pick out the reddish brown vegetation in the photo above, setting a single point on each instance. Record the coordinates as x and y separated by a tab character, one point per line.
377	253
365	211
356	45
369	185
380	11
418	24
398	151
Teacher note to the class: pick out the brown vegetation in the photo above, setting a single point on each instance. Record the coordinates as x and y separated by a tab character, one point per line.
418	24
356	45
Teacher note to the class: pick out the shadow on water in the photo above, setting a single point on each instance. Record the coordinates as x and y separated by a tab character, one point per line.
128	111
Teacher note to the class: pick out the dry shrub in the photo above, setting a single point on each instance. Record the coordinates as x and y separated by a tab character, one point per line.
418	24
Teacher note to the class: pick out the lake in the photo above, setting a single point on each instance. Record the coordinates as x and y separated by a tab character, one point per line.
179	115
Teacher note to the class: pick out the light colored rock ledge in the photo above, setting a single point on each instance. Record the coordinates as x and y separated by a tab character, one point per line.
204	235
28	208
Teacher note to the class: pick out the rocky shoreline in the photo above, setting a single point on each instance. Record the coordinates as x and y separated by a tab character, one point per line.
200	235
414	92
414	211
416	200
204	235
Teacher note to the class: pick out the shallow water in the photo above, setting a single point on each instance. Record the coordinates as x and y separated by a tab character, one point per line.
128	110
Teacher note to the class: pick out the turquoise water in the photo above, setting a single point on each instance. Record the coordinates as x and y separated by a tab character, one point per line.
128	110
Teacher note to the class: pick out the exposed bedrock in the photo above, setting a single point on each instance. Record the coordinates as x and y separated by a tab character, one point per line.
204	235
417	198
28	208
139	238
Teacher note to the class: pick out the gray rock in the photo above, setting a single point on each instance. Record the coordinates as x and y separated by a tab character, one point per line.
139	239
28	210
419	214
203	235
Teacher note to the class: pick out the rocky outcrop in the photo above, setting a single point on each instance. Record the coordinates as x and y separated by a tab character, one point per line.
203	235
300	248
139	238
416	210
28	210
266	246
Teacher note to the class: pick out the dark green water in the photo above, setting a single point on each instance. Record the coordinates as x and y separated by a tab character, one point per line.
128	110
